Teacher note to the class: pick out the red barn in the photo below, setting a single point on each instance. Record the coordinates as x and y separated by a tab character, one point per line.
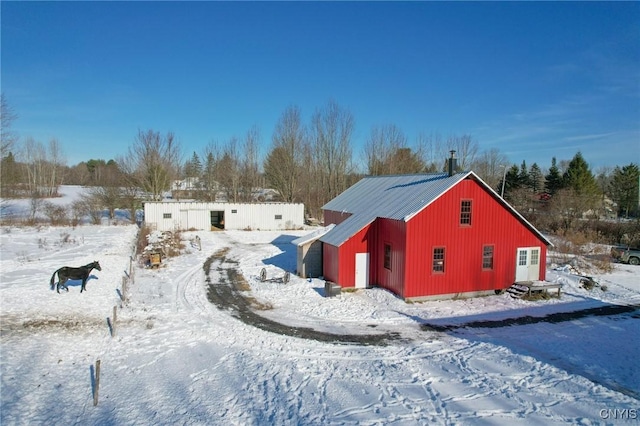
434	235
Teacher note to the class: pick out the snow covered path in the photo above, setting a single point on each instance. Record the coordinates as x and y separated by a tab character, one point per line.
178	359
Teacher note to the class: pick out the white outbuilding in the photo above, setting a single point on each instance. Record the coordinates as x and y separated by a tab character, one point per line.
191	215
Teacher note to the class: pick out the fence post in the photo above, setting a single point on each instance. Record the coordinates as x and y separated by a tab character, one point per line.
113	325
124	289
97	386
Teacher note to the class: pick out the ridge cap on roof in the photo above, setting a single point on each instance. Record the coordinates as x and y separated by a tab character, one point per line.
404	174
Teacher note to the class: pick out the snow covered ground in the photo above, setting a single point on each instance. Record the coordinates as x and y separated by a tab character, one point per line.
172	357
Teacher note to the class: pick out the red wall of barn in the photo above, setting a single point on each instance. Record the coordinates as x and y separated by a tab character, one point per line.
331	216
439	226
343	272
393	233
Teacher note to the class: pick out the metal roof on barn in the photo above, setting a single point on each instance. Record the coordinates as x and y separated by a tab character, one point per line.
398	197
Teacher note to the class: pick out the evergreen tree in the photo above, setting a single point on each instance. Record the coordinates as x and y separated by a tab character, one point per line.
553	179
579	177
523	175
582	185
624	189
511	181
536	179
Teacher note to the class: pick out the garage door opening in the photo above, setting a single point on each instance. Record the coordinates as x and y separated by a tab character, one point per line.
217	220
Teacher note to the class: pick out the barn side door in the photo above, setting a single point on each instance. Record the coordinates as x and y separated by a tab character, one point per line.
362	270
184	219
528	264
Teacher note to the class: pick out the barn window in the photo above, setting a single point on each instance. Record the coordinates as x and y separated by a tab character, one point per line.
487	257
438	259
387	256
234	211
278	217
166	215
522	258
535	255
465	212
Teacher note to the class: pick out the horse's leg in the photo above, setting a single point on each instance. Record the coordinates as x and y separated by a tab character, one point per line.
84	283
62	283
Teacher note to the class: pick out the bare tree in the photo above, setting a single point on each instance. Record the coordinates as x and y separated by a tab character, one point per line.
56	165
490	166
331	131
7	137
153	162
87	205
383	141
228	170
42	174
211	158
283	165
310	183
249	167
430	147
466	149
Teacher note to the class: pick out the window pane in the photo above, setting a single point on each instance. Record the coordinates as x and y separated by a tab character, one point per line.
522	258
535	255
465	212
387	256
487	257
438	259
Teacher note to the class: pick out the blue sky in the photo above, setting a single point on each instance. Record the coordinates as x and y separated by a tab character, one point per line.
533	79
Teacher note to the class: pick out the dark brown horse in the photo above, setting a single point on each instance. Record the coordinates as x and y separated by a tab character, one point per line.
67	273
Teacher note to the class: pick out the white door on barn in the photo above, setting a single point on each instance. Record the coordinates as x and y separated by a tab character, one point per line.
184	219
528	264
362	270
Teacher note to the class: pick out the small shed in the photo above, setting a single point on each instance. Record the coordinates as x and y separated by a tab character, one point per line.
309	253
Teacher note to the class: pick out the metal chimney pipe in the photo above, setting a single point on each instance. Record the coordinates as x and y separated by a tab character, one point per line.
453	163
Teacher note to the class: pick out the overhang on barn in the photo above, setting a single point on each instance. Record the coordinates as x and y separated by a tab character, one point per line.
309	253
421	236
175	215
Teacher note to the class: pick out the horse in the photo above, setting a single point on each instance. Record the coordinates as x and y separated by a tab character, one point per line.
67	273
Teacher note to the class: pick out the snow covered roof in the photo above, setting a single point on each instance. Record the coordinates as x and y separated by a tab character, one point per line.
313	235
398	197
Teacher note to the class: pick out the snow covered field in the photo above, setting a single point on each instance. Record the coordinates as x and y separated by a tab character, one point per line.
176	358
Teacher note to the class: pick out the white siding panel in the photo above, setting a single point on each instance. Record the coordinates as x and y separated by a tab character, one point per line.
262	216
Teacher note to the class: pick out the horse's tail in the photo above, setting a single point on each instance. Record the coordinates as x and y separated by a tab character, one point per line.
53	279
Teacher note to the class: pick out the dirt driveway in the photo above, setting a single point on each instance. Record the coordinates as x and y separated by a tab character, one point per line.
227	295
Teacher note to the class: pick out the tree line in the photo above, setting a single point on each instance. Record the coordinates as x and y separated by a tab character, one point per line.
310	163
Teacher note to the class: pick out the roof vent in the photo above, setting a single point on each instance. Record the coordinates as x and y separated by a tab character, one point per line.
453	163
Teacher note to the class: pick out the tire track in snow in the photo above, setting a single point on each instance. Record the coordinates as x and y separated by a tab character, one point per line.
227	297
186	297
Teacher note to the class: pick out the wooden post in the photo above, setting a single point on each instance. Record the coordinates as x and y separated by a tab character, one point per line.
113	324
124	289
97	384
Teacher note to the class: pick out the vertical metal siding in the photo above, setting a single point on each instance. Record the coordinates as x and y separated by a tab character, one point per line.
439	226
392	232
335	217
330	256
344	269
